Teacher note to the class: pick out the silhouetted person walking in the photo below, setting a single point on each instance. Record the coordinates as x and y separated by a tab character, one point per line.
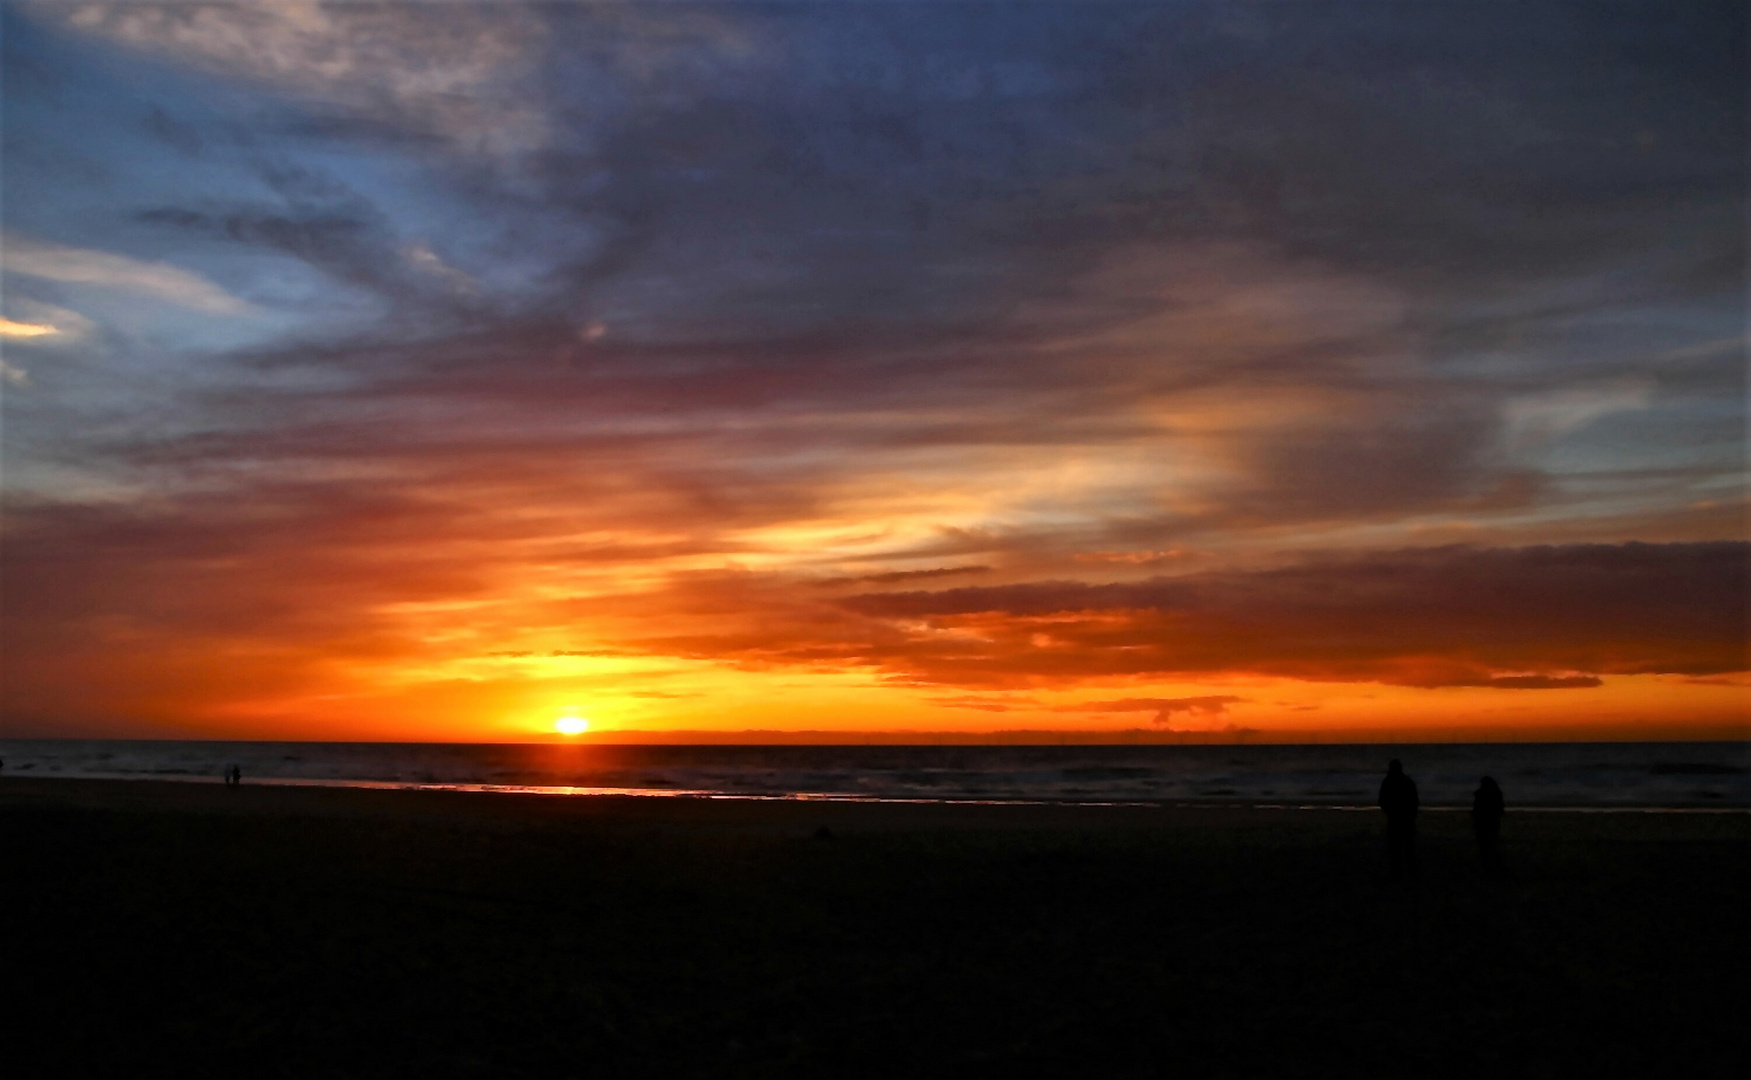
1398	797
1486	822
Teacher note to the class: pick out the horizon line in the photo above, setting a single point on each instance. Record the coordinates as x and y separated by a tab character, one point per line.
1702	733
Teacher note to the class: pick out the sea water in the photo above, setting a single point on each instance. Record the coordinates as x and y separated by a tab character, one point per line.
1642	775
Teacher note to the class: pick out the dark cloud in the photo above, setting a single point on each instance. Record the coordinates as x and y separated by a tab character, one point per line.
1544	682
185	137
1526	618
1163	708
332	228
331	241
895	577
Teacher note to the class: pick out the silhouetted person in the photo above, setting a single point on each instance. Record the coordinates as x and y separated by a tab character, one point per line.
1398	797
1486	822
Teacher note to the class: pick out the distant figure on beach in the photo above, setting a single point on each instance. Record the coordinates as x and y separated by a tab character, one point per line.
1486	822
1398	797
233	776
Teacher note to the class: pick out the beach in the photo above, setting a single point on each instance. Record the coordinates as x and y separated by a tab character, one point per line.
193	929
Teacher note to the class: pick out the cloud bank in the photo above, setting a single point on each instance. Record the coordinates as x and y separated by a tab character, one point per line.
1112	350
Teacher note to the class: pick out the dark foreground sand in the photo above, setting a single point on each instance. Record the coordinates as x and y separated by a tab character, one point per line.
176	929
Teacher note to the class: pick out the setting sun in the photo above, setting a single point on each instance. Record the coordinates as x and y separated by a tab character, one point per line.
1110	402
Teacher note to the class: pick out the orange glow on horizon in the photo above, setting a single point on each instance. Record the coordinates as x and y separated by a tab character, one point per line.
718	653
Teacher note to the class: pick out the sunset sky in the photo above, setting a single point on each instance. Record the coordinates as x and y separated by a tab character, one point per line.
434	371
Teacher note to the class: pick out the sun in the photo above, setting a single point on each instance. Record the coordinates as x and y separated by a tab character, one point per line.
571	725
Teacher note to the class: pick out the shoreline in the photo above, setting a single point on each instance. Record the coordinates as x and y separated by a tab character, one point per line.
815	798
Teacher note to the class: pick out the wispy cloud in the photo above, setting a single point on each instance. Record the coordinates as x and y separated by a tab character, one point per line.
82	266
11	329
447	69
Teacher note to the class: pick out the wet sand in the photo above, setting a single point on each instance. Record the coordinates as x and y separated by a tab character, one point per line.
184	929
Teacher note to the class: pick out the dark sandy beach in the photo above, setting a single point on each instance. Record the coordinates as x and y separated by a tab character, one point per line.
183	929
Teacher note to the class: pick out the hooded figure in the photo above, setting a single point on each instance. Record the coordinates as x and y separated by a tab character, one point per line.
1486	822
1398	797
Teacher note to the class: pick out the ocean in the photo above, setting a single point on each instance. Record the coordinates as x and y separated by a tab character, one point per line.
1606	776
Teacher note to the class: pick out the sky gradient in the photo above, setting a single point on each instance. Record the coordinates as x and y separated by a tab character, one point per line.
433	371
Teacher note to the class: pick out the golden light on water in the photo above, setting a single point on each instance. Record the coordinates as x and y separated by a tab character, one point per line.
571	725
